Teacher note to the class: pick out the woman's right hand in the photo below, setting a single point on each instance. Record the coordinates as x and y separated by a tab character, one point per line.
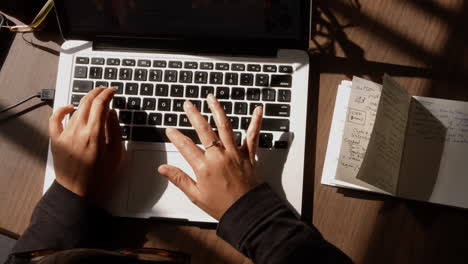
224	172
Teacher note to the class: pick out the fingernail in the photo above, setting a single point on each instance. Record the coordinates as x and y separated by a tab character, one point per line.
188	104
258	110
162	170
113	87
211	98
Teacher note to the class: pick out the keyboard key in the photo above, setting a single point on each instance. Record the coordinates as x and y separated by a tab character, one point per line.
222	66
190	65
197	104
170	76
191	91
206	66
75	99
125	74
131	88
227	107
238	93
281	81
146	89
128	62
265	140
240	108
140	75
159	64
284	95
216	78
95	73
262	80
245	122
268	95
164	105
102	84
98	61
192	134
254	67
184	121
149	104
134	103
155	75
118	102
144	63
281	144
277	110
222	92
113	61
175	64
81	72
178	106
170	119
82	60
212	122
285	69
253	94
82	86
234	122
270	124
139	118
125	117
177	90
253	106
238	67
185	76
162	90
206	90
149	134
270	68
110	73
118	86
246	79
231	78
125	130
201	77
155	119
238	138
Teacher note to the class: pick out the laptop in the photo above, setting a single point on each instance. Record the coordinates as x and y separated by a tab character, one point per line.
159	54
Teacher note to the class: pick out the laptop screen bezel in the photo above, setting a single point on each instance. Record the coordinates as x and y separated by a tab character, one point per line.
233	43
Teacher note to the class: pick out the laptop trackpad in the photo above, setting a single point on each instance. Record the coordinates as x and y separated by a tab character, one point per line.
146	186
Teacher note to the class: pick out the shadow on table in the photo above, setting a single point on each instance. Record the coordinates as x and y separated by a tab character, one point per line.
404	231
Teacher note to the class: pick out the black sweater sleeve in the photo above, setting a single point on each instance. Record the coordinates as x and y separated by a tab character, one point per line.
262	227
63	220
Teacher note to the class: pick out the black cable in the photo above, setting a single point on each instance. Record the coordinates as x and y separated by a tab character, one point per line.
38	95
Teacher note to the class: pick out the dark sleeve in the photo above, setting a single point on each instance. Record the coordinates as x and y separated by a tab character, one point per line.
262	227
63	220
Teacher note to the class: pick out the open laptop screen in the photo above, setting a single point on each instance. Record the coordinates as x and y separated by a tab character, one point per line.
284	21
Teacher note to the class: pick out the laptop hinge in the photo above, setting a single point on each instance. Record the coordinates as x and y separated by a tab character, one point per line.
225	48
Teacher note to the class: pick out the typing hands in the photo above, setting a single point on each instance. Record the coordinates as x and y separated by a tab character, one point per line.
88	150
224	172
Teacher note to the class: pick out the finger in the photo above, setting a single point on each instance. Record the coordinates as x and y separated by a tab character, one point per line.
222	123
204	130
113	133
99	110
181	180
55	121
252	134
192	154
82	113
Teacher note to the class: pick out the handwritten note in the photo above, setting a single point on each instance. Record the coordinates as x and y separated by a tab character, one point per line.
381	167
362	110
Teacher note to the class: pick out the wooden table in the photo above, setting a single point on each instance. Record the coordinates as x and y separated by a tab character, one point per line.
422	43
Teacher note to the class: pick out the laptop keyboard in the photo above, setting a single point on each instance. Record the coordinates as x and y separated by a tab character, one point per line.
150	94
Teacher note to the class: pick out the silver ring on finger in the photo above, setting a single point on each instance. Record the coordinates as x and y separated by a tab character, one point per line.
216	143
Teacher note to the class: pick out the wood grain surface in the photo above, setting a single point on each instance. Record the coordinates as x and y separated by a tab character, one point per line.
422	43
